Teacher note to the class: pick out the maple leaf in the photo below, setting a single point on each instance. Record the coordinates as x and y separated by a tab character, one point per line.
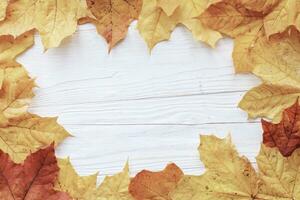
54	19
155	185
77	187
267	100
283	16
168	6
21	137
229	18
11	47
32	180
115	187
15	94
112	17
264	6
276	61
186	14
156	22
230	176
84	188
286	134
3	5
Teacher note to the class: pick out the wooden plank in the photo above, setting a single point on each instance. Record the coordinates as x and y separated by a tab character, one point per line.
148	108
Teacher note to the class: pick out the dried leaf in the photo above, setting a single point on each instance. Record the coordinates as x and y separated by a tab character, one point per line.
264	6
269	101
10	48
168	6
81	188
148	185
32	180
286	134
229	176
112	17
276	62
54	19
230	18
186	14
284	15
3	6
15	94
25	136
154	24
115	187
244	46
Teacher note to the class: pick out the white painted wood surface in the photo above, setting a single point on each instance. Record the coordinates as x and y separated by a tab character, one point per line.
148	108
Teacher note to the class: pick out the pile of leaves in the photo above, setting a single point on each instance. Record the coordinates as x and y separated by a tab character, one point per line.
266	43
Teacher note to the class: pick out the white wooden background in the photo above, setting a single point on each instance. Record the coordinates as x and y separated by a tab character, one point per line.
148	108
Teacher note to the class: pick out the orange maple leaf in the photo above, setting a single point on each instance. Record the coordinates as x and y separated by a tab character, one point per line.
32	180
286	134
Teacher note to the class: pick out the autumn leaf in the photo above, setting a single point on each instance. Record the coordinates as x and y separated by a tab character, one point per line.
54	19
84	187
286	134
230	176
168	6
244	48
267	100
3	6
159	17
154	24
283	16
264	6
148	185
22	137
276	61
34	179
229	18
81	188
10	48
112	17
15	94
115	187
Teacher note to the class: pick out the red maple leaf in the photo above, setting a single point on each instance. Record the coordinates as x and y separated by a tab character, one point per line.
32	180
285	135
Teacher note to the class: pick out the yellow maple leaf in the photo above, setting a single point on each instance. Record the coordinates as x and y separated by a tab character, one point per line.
229	18
154	24
186	14
229	176
10	48
276	61
54	19
84	188
3	5
244	46
15	94
22	137
168	6
115	187
78	187
112	17
269	101
284	15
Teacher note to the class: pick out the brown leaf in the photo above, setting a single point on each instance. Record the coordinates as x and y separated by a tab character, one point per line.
32	180
113	17
148	185
230	18
286	134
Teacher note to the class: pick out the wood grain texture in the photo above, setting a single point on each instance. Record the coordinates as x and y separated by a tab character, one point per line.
148	108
